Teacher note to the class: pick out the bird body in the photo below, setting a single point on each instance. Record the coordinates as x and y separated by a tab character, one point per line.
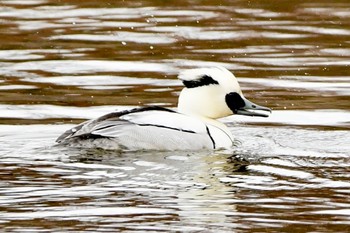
138	129
209	93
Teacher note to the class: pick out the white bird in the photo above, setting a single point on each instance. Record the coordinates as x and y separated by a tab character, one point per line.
209	94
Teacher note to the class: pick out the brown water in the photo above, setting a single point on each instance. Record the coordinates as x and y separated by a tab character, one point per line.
65	61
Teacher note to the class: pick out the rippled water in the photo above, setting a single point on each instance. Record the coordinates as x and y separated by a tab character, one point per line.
65	61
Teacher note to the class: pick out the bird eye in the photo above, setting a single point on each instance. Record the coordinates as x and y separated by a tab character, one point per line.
234	101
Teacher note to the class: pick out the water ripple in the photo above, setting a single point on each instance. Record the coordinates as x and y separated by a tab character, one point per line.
64	62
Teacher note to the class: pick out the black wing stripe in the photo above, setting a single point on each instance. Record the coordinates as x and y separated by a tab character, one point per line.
211	138
167	127
134	110
159	126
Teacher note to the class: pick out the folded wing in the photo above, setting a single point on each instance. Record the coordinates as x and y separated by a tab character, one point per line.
142	128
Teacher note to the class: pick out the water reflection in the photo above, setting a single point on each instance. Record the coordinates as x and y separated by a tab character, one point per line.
227	189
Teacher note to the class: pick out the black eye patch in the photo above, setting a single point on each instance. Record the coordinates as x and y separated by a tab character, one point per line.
205	80
234	101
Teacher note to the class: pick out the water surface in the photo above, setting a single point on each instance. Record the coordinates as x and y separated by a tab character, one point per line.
62	62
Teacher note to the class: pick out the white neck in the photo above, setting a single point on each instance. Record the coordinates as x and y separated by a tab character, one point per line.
205	102
196	102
